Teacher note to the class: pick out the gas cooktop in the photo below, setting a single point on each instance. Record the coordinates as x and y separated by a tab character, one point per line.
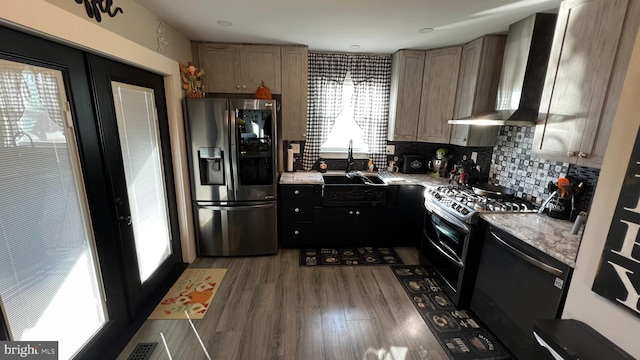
465	205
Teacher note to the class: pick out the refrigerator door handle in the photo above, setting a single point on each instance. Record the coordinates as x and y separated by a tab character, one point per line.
234	151
236	208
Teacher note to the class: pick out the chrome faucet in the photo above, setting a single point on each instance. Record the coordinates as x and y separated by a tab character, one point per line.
350	156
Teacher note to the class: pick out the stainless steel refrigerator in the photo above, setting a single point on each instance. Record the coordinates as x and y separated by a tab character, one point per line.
232	161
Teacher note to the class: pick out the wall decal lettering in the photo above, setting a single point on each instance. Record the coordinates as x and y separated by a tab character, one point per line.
95	8
618	276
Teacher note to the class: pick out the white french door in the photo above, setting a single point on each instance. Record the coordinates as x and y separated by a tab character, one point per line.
49	273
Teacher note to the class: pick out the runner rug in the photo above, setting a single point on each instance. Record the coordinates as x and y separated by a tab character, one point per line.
192	292
460	333
349	256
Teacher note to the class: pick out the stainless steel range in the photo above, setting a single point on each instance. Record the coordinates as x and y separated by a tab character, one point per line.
452	235
465	205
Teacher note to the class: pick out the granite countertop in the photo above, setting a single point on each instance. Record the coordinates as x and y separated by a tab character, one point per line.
551	236
314	177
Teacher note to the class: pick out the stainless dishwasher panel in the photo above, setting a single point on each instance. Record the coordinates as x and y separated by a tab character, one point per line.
236	229
515	286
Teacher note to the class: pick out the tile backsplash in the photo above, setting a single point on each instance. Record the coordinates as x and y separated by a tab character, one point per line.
514	167
509	164
405	148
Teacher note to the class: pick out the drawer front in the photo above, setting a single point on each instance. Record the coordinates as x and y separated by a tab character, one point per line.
296	234
296	210
296	191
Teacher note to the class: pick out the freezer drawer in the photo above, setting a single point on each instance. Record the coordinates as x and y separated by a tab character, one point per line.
236	229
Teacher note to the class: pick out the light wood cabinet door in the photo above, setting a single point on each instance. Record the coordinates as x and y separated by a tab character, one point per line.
257	64
467	80
222	67
577	83
295	65
477	89
438	94
406	86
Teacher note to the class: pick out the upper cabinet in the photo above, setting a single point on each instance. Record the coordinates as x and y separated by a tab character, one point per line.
423	87
438	94
477	89
589	57
233	68
295	64
404	103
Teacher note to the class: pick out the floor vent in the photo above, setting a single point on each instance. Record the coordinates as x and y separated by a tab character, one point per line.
142	351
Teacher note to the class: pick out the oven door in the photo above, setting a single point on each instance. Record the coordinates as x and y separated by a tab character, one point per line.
442	246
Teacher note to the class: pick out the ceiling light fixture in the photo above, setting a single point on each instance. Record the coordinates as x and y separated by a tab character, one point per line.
425	30
224	23
354	47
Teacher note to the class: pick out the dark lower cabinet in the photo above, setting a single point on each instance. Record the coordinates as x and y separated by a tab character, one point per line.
304	222
405	219
295	214
349	226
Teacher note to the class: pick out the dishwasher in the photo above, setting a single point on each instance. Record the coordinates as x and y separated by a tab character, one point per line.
517	285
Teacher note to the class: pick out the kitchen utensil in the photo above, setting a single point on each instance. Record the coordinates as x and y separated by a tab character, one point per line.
562	182
544	204
493	191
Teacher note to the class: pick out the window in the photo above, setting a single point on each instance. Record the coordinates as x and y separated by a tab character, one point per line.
345	127
348	99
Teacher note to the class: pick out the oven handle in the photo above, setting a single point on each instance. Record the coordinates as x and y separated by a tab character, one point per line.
451	258
535	262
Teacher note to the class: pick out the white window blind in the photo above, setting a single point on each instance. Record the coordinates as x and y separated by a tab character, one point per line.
142	160
48	267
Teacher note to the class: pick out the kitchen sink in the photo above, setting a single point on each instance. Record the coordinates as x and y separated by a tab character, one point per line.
353	189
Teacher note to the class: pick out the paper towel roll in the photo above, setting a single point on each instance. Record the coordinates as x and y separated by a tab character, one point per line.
290	160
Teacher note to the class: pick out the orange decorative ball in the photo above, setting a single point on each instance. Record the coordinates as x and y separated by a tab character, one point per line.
263	92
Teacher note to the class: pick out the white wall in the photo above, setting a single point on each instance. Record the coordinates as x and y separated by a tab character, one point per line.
136	24
50	21
610	320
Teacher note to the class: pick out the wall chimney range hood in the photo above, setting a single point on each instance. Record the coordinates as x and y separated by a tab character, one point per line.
526	57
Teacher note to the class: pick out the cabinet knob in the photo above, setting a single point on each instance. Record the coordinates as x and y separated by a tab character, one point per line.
583	155
351	212
571	153
296	210
296	232
237	86
357	212
244	86
296	192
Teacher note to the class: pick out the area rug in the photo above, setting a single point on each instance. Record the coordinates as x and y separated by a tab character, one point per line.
192	292
459	332
349	256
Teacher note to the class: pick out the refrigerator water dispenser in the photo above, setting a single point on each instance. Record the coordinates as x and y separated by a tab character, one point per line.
211	166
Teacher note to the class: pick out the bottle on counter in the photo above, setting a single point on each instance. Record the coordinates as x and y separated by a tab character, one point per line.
370	166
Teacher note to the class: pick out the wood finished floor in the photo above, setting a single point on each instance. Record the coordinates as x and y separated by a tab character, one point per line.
271	308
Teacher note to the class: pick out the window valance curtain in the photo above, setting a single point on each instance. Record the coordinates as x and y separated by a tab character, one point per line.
371	75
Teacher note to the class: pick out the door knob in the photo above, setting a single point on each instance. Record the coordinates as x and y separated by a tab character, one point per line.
571	153
357	212
296	192
582	155
296	232
296	210
350	212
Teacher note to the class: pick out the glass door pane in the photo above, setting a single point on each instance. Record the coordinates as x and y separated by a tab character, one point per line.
142	159
255	139
48	266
